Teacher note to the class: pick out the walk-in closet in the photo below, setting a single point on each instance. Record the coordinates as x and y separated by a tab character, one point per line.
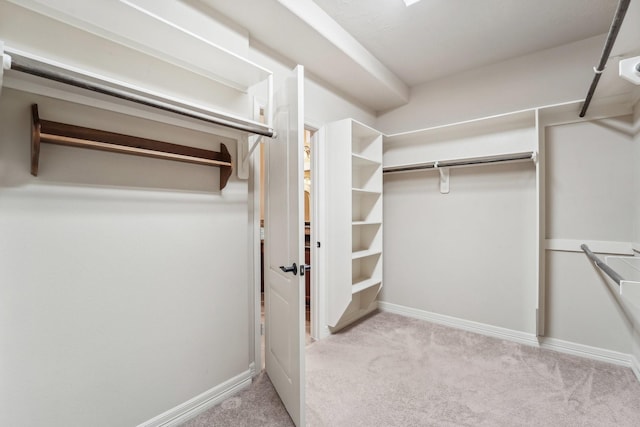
319	212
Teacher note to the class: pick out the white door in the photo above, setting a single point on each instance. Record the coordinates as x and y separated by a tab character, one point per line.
284	247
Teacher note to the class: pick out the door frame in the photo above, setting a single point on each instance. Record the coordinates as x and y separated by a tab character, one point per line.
318	296
255	311
319	328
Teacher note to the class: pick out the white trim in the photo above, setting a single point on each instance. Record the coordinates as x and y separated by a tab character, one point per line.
466	325
554	344
636	247
635	367
586	351
598	246
5	62
318	299
253	168
324	332
189	409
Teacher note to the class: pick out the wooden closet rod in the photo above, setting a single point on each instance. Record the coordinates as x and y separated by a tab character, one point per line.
44	131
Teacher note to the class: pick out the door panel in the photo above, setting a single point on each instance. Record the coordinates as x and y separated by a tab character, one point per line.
284	245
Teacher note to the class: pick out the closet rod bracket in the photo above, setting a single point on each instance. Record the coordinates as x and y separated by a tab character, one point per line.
444	178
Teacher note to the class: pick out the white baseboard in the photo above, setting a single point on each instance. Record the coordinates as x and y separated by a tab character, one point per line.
594	353
466	325
589	352
635	367
324	332
189	409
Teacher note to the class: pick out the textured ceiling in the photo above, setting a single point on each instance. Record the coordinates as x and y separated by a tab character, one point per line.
434	38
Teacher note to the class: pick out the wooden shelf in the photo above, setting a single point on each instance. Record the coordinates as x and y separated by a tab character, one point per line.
44	131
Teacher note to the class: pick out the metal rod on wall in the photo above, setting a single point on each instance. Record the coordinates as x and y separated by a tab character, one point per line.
501	158
25	65
601	265
623	5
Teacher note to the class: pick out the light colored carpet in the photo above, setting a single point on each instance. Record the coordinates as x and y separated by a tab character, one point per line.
258	405
391	370
394	371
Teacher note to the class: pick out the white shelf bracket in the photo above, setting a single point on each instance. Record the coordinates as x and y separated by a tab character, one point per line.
244	153
5	59
444	178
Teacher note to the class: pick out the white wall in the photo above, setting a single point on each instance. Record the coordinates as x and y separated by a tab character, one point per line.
589	197
468	254
547	77
636	174
585	201
125	289
321	104
121	275
471	253
636	215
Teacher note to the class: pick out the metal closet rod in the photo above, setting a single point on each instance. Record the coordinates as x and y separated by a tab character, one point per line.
515	157
623	5
29	66
601	265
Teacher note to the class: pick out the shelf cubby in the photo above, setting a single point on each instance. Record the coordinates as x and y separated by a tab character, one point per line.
365	141
367	177
366	206
366	270
366	237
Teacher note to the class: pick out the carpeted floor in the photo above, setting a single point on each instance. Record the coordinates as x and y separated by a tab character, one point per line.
258	405
391	370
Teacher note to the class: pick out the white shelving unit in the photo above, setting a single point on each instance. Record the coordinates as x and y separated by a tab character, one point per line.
354	210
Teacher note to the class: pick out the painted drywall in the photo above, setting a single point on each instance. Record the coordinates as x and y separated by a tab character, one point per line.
469	254
140	296
322	104
121	275
589	188
544	78
636	174
636	214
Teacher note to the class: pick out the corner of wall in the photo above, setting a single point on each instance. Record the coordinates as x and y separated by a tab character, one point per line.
636	171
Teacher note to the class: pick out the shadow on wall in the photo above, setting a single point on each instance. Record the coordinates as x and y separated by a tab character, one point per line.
622	125
84	167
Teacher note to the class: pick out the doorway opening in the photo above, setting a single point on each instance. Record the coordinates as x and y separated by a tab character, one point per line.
311	226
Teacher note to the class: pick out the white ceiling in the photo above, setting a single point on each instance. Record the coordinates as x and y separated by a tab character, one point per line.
434	38
375	50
